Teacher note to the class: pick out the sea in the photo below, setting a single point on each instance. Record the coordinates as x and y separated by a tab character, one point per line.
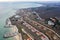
8	9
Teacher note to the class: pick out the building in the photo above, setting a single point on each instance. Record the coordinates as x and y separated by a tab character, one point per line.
52	21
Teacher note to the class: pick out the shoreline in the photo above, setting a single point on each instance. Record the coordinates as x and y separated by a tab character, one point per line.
13	30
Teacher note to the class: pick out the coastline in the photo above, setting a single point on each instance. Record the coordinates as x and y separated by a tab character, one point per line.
14	29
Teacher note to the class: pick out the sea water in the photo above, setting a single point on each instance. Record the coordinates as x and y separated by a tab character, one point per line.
8	9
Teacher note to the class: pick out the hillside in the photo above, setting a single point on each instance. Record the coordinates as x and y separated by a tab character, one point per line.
46	12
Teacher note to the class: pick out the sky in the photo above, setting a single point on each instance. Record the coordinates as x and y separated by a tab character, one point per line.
28	0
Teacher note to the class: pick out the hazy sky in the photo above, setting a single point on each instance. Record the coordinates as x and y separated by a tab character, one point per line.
26	0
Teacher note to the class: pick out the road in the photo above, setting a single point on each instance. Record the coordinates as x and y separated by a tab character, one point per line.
38	31
34	32
30	32
50	33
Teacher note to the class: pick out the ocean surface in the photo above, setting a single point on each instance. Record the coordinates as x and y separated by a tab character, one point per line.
8	9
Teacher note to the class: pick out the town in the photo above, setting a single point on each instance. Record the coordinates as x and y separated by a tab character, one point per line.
29	25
